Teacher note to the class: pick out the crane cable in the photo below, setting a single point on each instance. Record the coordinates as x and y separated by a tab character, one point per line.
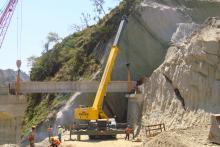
19	30
21	26
19	40
128	66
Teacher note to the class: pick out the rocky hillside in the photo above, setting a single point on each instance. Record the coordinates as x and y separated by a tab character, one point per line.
185	86
184	90
78	57
10	75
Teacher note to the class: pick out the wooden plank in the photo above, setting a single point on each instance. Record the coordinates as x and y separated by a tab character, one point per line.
153	130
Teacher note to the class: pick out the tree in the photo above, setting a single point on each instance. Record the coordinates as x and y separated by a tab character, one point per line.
31	60
77	28
85	22
98	4
51	37
85	19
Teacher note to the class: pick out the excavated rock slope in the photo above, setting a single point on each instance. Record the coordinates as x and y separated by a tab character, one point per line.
152	27
185	89
145	41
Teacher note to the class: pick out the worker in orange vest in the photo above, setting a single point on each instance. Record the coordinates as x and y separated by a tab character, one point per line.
31	137
54	142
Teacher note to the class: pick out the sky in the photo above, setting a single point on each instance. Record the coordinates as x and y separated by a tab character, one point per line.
33	20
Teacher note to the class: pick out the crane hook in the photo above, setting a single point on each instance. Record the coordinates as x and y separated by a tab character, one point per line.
18	63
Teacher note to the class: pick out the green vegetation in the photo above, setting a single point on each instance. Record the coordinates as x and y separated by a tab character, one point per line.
70	60
40	106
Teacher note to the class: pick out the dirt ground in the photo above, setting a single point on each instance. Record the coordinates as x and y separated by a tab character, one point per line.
190	137
85	142
119	142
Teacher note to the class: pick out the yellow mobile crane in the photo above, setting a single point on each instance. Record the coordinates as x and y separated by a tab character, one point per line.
95	113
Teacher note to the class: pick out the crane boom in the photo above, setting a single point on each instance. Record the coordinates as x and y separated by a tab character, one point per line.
95	112
5	18
106	77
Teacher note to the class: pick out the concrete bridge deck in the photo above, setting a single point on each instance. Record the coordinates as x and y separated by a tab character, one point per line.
67	87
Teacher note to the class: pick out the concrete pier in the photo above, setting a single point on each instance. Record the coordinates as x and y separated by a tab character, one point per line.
135	103
12	110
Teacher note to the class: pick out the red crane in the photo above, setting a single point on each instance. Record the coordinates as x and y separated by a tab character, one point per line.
5	18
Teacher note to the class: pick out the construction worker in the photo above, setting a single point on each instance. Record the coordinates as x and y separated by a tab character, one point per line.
50	132
54	142
31	137
128	131
60	132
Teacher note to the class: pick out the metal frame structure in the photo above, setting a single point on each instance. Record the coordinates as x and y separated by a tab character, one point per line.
5	18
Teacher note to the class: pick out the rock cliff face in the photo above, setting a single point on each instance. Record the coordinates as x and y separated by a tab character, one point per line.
151	29
184	90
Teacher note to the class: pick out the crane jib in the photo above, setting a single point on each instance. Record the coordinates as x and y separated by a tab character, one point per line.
120	29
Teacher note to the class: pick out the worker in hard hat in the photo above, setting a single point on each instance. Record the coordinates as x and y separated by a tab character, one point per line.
54	142
60	132
31	137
